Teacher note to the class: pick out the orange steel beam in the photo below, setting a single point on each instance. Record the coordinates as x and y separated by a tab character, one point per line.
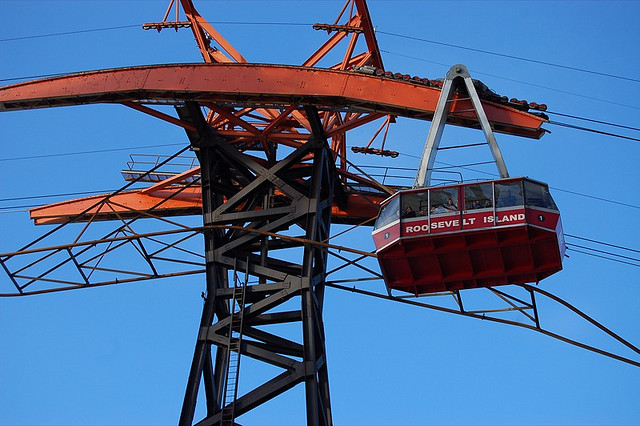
260	85
177	179
201	28
369	34
272	95
330	44
278	90
175	201
125	204
361	21
160	115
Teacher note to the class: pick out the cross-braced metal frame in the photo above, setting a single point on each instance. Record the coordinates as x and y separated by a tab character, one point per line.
296	191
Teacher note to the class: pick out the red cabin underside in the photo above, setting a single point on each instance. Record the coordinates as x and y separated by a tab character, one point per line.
487	257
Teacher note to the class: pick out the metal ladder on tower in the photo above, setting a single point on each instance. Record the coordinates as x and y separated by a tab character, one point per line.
236	313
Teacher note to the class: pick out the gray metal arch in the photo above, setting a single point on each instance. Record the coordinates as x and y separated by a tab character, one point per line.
458	77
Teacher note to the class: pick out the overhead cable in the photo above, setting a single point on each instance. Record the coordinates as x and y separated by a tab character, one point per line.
519	58
581	95
487	52
92	30
593	197
602	243
607	123
96	151
70	32
24	207
591	249
586	129
602	257
34	197
33	77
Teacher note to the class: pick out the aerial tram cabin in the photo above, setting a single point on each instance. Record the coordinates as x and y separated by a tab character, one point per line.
496	232
432	239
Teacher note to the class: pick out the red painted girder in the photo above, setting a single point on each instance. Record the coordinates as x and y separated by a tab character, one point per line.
369	33
258	84
122	205
172	201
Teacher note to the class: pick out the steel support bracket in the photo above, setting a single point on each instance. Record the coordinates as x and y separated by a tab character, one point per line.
456	81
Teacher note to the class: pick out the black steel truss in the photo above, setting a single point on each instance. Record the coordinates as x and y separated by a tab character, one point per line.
229	322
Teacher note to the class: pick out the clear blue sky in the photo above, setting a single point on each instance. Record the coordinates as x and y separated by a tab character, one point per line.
121	355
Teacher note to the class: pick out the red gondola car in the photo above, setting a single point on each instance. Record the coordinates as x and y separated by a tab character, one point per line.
480	234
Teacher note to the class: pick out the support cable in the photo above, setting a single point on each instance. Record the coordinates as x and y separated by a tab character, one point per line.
503	55
602	257
407	37
603	243
510	322
493	175
93	30
71	219
586	129
604	252
33	197
527	83
607	123
95	151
